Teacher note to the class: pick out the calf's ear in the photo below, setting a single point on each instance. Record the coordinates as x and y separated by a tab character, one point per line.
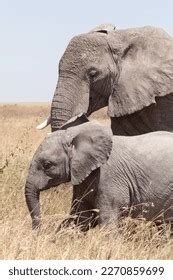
92	145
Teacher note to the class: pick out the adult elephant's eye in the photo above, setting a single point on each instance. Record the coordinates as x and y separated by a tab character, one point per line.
47	164
93	73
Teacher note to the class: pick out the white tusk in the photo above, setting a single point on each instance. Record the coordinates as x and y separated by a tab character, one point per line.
49	133
44	124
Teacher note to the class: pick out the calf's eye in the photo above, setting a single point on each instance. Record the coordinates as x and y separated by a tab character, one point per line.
47	164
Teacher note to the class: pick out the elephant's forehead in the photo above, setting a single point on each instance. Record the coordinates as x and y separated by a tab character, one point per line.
51	149
52	142
85	47
51	154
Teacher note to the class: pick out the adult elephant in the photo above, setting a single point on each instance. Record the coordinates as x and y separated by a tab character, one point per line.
130	71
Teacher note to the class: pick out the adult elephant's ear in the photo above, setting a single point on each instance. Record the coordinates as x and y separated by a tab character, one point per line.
146	71
91	147
104	28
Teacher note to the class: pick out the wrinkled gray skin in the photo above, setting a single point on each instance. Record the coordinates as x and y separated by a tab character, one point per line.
109	174
130	71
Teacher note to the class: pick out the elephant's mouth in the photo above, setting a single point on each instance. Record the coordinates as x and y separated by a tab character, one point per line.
55	182
96	102
90	107
52	183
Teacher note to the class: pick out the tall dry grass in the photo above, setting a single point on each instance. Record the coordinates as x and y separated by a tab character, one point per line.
18	141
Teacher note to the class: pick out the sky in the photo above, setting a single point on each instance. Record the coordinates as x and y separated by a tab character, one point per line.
35	33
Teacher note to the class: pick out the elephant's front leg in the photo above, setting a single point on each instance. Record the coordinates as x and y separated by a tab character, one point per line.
82	215
108	215
68	222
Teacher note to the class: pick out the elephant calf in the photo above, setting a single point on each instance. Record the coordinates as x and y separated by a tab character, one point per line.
109	174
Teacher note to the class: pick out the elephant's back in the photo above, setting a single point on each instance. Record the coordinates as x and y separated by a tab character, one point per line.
148	31
155	146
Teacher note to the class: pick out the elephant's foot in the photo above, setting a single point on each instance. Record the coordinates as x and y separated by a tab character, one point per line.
87	220
84	223
69	222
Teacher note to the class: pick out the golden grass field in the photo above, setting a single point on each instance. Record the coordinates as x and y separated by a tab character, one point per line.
19	139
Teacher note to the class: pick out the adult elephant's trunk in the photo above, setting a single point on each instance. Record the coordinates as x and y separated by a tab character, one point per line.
71	98
32	195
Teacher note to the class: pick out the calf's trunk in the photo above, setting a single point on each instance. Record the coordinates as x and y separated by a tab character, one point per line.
32	195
